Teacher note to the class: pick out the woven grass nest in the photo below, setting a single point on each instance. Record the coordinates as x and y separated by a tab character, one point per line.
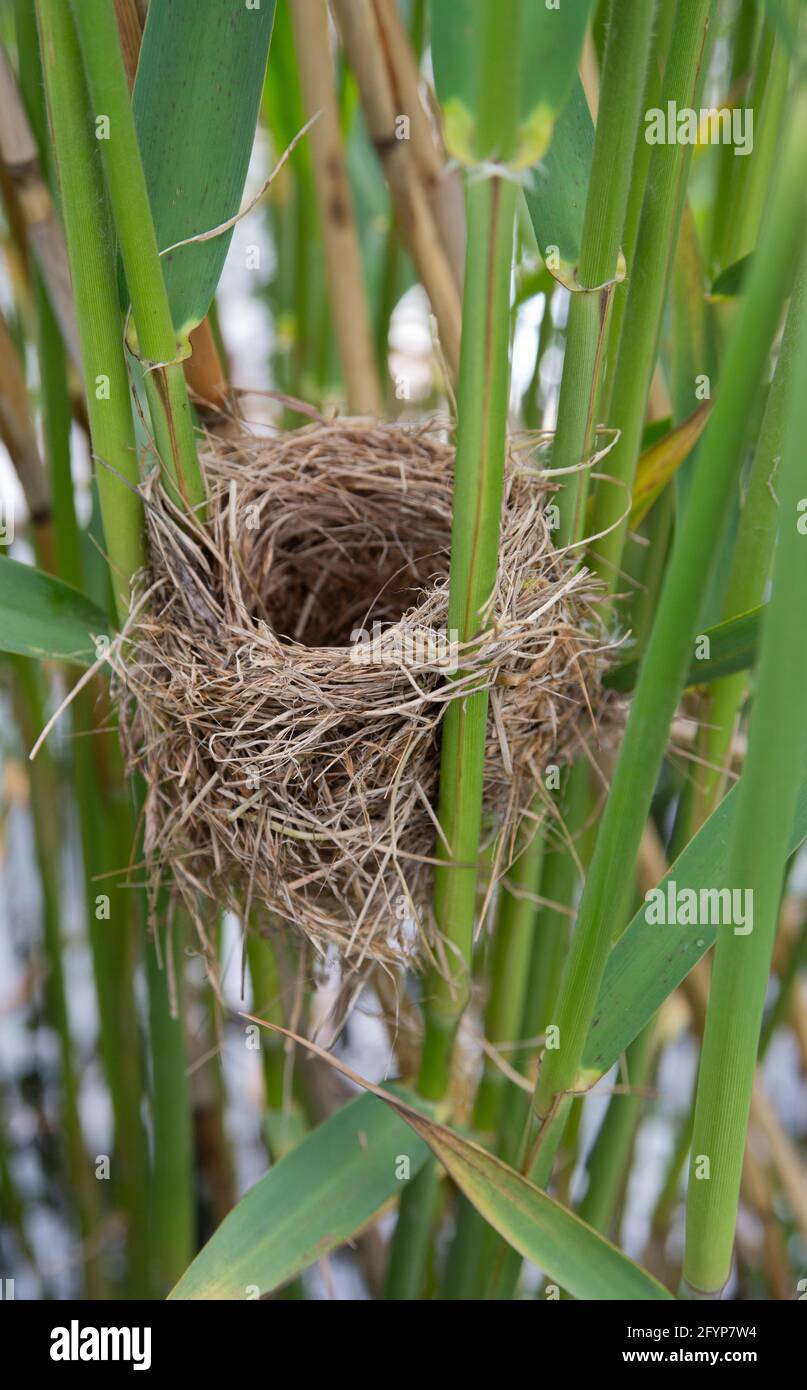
282	689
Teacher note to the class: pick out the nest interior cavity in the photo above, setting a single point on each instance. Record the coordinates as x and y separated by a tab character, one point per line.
282	688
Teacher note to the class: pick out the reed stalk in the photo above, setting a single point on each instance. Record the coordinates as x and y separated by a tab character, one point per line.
156	346
172	1197
744	41
478	489
45	800
666	13
478	493
89	237
777	746
630	24
364	42
657	235
95	288
668	652
95	763
351	316
508	972
766	101
748	578
609	1162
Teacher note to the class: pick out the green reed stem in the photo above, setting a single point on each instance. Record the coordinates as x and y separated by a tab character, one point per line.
412	1239
666	12
172	1199
482	401
609	1162
730	168
774	767
560	877
105	822
630	24
665	662
92	268
767	101
126	182
647	288
508	972
748	577
478	488
484	374
45	801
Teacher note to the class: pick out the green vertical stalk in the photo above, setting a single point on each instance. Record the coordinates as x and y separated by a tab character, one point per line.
156	341
412	1238
748	577
92	269
777	747
533	413
478	489
89	239
484	374
106	829
45	799
630	25
647	287
56	425
553	927
285	1120
172	1205
609	1163
508	972
666	11
767	102
746	33
626	56
657	531
54	388
559	880
264	973
107	833
482	405
663	668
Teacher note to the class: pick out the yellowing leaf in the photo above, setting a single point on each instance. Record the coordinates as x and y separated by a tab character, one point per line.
659	463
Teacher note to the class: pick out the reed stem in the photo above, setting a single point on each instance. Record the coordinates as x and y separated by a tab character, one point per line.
777	748
748	577
92	270
630	24
647	287
668	652
157	345
348	296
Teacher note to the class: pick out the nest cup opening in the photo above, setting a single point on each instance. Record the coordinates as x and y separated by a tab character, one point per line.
350	552
282	692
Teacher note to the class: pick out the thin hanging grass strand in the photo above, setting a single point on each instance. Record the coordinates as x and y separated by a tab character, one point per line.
237	217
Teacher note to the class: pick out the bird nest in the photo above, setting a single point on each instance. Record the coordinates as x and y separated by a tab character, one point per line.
282	687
